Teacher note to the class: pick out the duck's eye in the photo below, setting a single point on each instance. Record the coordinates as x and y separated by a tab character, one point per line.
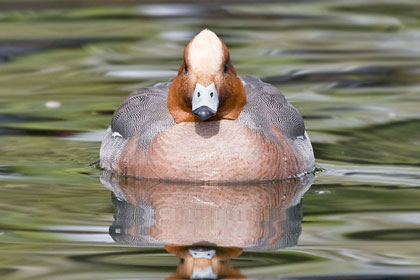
198	94
226	67
211	94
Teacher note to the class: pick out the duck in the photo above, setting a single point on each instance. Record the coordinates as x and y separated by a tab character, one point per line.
207	124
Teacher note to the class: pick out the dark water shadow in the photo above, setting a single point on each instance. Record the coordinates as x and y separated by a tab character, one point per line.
11	48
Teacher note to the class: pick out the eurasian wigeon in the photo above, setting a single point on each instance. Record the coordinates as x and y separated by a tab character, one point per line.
208	124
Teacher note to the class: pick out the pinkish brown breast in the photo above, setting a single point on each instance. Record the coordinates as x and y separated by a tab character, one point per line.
217	151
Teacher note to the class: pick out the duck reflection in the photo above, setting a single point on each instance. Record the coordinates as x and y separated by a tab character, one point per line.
206	225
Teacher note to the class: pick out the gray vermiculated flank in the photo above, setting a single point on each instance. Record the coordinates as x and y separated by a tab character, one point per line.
111	149
266	106
143	113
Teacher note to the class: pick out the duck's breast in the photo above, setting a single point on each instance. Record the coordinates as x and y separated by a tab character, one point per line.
223	150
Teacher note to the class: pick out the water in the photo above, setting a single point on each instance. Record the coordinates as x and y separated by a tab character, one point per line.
352	68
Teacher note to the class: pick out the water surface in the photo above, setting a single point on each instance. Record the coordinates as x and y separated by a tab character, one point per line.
352	68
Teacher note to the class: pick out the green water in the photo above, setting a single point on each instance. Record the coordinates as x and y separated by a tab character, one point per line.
352	68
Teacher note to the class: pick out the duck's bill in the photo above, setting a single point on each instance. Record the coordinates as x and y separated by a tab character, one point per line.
204	113
205	253
205	101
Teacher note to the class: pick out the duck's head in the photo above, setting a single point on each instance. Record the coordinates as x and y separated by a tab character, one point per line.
206	87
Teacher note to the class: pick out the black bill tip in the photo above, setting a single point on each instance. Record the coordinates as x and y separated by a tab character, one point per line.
204	113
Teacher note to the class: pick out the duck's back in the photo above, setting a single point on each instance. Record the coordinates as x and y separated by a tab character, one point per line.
267	141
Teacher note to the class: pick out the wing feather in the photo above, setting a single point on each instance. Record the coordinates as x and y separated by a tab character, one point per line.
266	106
143	113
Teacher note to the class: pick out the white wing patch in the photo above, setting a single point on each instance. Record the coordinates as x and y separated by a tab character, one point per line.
243	82
116	134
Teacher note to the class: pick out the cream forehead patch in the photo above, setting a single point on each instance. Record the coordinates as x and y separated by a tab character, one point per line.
205	52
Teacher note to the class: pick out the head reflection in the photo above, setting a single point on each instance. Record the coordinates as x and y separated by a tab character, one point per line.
204	262
206	225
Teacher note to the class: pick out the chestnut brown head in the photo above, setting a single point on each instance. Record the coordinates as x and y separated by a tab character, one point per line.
206	87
